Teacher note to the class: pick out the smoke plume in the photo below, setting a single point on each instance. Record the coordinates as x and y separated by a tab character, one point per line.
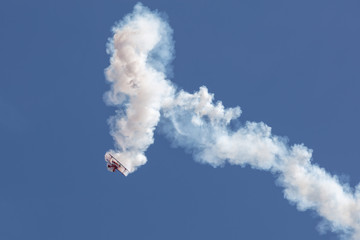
141	50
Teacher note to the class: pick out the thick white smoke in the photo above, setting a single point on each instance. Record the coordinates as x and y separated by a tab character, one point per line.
141	49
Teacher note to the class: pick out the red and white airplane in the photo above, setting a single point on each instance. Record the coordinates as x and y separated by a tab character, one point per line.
113	164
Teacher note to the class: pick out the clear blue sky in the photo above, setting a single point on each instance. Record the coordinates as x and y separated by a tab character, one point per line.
292	64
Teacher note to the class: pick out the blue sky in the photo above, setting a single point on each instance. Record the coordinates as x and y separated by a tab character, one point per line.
292	64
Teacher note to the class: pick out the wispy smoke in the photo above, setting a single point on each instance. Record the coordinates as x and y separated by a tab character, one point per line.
141	49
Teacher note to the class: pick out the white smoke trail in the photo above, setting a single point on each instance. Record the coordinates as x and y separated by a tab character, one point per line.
141	49
138	87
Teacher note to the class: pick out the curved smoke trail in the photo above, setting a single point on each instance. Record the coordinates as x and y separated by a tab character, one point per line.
141	50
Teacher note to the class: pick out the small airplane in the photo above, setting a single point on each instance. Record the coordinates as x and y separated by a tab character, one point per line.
113	164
